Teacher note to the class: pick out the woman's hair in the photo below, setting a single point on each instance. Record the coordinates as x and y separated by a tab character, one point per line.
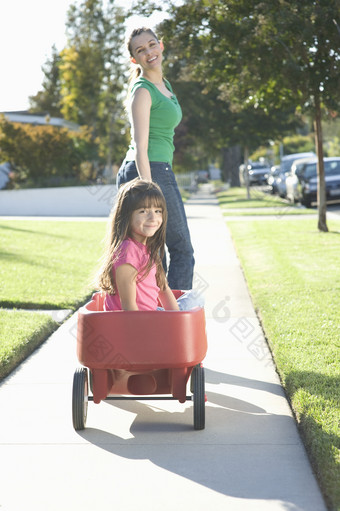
133	195
135	70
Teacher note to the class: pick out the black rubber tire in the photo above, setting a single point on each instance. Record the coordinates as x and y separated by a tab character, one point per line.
198	389
306	201
80	398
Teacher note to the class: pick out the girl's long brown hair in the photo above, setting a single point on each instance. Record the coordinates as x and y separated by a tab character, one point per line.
131	196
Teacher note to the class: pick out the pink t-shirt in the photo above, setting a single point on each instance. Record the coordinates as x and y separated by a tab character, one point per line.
135	253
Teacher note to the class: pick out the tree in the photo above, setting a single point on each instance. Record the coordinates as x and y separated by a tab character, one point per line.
213	119
48	99
92	71
84	83
266	55
301	58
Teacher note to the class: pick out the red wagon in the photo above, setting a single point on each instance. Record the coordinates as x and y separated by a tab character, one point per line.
139	355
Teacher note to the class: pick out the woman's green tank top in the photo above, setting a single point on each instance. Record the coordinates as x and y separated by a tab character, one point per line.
165	115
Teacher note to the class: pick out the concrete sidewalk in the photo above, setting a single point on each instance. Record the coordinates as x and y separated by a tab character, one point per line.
137	455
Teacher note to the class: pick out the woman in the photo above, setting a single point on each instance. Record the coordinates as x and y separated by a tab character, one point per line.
154	113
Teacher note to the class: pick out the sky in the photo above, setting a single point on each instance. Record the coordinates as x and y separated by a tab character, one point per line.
29	28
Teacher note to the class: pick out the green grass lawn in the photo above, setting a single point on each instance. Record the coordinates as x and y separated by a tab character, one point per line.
48	264
293	273
236	199
43	265
20	333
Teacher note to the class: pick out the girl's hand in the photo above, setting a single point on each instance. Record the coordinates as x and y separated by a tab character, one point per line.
140	109
168	300
126	276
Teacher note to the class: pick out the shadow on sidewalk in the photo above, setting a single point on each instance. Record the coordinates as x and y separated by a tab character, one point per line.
216	377
239	454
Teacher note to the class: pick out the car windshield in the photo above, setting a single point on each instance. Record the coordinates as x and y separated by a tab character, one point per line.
332	168
287	161
309	170
299	168
285	165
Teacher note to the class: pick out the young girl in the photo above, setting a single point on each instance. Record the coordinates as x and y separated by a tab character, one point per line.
132	275
154	112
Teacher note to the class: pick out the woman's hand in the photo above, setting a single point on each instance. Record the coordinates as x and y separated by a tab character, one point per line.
140	109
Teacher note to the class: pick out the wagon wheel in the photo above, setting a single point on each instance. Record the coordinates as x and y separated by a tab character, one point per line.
198	389
80	398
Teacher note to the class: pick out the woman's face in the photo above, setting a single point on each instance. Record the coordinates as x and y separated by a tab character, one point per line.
146	51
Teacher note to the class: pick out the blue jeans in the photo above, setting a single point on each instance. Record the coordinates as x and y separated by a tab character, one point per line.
181	267
189	300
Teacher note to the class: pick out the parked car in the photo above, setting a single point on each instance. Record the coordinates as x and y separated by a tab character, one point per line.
289	159
292	177
308	181
272	178
201	176
281	184
285	166
258	173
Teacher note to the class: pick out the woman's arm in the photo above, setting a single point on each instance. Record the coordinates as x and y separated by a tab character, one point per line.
126	276
140	109
168	300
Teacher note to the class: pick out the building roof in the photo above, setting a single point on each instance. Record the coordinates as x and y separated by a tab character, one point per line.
42	119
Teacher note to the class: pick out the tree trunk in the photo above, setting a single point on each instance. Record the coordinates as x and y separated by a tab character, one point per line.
231	162
321	194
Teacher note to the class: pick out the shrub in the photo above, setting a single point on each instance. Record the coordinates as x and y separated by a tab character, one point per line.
45	155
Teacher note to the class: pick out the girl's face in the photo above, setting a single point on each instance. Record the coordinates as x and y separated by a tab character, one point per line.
146	51
145	222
